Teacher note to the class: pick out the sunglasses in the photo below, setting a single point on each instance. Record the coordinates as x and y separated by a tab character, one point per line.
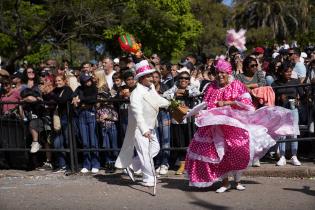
253	65
290	54
185	78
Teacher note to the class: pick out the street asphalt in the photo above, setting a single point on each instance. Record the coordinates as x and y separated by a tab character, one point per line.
267	187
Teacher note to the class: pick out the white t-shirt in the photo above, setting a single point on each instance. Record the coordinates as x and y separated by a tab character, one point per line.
300	70
109	79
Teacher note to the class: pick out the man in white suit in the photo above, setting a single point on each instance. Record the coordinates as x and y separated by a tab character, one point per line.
142	117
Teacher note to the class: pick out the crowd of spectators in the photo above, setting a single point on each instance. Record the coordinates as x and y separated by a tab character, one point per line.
99	123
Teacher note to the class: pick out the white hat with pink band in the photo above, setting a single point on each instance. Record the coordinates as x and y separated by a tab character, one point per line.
143	68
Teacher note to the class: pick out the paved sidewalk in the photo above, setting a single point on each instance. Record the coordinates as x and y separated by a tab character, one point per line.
306	170
266	169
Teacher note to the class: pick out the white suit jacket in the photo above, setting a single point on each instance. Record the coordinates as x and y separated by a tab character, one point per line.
142	114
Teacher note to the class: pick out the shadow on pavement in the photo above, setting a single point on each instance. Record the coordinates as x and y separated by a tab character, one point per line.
306	190
118	179
205	204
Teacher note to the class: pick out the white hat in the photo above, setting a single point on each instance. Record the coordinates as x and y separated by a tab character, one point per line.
143	68
274	55
183	69
116	61
303	55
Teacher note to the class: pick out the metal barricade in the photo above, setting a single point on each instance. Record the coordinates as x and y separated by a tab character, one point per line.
14	132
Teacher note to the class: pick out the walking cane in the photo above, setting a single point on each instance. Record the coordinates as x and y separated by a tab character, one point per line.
152	167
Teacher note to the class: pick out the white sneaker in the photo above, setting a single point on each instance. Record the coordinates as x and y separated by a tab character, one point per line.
223	189
137	173
164	170
256	163
158	170
84	170
282	161
35	146
295	161
147	184
240	187
95	170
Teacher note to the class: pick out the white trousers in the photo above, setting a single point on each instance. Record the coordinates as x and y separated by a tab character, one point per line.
146	150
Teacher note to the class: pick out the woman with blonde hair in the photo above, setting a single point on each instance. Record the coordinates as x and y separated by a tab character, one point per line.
107	117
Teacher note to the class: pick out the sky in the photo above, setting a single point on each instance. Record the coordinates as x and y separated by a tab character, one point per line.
227	2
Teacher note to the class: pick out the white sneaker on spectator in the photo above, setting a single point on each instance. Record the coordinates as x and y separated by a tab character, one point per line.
240	187
223	189
35	146
164	170
158	169
282	161
295	161
95	170
45	166
256	163
84	170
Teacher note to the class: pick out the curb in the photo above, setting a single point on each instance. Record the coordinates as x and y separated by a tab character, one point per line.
266	170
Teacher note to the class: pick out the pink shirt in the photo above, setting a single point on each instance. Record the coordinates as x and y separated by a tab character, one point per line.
13	96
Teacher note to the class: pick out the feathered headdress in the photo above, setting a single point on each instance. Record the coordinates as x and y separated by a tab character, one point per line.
236	39
128	44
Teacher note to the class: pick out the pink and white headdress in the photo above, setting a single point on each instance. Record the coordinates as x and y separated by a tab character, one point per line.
236	39
223	66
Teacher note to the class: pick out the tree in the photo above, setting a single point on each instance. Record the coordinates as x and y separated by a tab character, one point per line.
26	25
284	17
214	17
165	27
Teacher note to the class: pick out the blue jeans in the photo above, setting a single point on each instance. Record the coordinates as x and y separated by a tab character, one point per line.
87	126
61	141
163	132
110	142
294	145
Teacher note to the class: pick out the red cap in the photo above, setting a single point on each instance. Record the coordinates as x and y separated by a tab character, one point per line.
259	50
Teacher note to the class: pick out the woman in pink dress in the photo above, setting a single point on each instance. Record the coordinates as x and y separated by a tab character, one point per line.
230	132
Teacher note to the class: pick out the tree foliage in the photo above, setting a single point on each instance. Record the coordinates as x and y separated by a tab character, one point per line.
162	26
214	17
285	17
38	29
26	25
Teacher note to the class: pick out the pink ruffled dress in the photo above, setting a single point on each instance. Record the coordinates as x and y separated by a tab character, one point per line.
230	137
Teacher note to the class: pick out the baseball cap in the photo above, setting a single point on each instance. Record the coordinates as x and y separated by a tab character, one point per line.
259	50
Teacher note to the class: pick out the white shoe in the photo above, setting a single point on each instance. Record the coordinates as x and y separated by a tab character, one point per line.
95	170
240	187
223	189
295	161
282	161
158	170
137	173
147	184
84	170
35	146
256	163
164	170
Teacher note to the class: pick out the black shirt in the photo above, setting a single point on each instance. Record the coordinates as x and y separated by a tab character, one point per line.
289	92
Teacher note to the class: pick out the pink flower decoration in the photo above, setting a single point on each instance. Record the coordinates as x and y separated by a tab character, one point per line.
236	39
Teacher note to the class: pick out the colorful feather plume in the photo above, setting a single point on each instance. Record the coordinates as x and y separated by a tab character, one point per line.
236	39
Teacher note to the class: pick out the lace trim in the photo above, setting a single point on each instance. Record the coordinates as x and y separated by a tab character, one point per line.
194	156
208	184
